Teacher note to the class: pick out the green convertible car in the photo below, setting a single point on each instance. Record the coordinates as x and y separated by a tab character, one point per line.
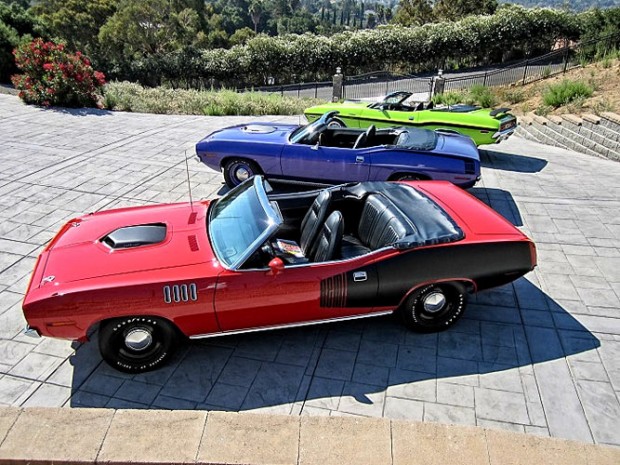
483	125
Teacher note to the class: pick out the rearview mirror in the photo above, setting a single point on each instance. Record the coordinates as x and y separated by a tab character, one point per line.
276	266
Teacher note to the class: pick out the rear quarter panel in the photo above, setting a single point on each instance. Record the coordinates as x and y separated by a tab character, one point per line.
385	163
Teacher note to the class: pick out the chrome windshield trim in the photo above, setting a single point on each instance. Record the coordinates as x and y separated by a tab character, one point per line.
292	325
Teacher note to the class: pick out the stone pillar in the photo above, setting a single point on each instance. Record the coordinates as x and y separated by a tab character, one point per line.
338	81
439	83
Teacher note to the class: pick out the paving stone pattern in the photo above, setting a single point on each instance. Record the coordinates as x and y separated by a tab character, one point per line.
541	355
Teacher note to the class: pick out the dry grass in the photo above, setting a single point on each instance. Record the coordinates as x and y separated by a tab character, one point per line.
603	76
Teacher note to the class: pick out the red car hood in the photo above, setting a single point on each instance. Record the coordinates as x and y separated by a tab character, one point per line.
78	251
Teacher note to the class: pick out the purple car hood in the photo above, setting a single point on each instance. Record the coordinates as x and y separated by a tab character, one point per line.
265	132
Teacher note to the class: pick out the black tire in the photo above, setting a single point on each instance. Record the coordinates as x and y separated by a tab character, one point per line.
434	307
408	177
336	123
238	170
153	342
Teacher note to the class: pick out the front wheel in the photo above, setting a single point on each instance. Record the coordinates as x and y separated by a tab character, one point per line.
434	307
136	344
238	170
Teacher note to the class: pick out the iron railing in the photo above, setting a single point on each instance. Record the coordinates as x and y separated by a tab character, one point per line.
320	90
383	82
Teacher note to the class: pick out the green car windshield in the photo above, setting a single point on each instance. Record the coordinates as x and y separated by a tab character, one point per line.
241	221
417	139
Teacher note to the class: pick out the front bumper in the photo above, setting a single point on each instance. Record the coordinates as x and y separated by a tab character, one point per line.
31	332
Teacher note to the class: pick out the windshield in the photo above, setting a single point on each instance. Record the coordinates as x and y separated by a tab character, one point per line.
240	221
309	134
417	139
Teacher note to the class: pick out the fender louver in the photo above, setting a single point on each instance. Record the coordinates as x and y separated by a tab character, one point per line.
135	236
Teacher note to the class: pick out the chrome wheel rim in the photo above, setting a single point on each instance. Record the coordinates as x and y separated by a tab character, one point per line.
434	302
138	339
242	173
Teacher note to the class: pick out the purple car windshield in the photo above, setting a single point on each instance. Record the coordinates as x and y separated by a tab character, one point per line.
417	139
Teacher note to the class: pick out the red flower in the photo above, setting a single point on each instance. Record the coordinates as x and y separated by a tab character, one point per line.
48	66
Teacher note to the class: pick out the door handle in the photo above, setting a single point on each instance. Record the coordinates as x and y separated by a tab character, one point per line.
359	276
359	159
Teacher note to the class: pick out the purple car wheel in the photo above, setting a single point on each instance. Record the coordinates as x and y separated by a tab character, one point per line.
434	307
238	170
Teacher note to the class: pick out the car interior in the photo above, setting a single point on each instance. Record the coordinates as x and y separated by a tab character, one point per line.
349	221
354	138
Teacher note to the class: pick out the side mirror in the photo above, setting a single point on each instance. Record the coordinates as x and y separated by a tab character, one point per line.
276	266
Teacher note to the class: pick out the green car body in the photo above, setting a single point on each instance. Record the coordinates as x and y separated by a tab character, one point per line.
484	126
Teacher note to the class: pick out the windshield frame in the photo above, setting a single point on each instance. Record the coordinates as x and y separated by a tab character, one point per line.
302	132
275	217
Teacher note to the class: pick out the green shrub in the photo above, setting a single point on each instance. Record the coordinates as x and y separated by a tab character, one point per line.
557	95
52	76
543	110
126	96
483	96
448	98
514	96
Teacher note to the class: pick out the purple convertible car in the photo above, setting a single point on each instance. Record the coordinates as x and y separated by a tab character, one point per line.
319	153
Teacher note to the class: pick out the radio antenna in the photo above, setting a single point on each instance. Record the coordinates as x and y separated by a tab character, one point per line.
189	185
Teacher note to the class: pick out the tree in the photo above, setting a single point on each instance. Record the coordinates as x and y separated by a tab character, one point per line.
413	12
16	26
149	27
256	9
75	21
453	10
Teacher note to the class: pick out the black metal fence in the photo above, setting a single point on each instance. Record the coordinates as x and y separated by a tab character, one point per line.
535	69
382	82
320	90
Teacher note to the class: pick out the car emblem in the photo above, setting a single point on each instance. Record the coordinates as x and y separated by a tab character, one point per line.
75	224
48	279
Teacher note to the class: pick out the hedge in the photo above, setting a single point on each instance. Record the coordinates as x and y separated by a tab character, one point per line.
513	32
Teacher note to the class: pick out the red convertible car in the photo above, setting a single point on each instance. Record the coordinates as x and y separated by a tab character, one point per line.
255	260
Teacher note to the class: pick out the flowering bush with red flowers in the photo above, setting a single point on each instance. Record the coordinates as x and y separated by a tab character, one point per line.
54	77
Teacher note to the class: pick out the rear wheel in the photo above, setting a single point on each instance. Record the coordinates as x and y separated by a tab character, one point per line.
336	123
136	344
434	307
407	177
238	170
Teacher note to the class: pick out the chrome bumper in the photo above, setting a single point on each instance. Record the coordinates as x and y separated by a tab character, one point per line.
30	332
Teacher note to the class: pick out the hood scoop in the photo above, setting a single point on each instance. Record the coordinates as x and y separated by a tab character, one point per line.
130	237
258	129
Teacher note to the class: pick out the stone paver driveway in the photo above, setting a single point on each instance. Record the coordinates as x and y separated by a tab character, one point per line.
541	355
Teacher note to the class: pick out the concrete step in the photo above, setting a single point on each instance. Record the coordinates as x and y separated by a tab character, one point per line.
582	134
85	436
535	129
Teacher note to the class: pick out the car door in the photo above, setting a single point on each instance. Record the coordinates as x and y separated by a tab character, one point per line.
385	118
324	164
315	292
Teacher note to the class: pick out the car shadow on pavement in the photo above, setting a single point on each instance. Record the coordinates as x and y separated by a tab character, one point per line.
511	161
355	367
